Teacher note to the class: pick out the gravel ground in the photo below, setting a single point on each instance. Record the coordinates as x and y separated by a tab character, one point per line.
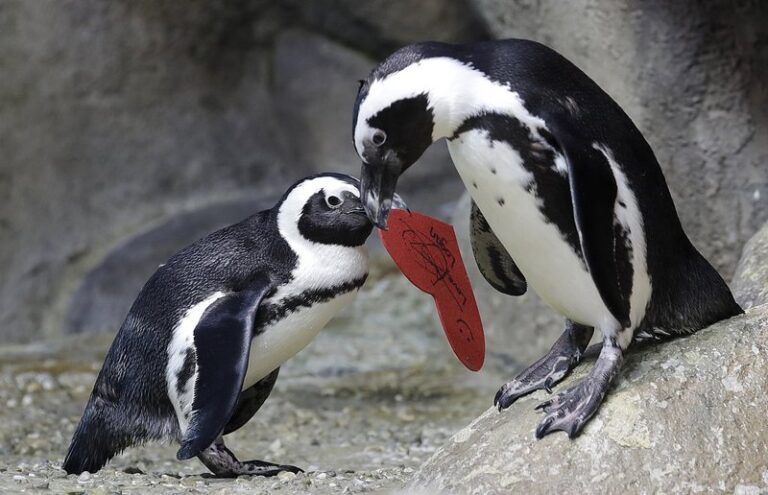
359	410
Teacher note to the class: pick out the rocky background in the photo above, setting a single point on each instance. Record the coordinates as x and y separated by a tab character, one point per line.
131	128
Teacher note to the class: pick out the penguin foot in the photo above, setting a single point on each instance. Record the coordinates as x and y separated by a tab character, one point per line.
223	463
570	410
550	369
262	468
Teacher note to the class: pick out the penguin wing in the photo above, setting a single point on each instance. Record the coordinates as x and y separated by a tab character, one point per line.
222	345
492	258
593	194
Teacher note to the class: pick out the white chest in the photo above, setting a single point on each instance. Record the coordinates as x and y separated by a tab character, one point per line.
318	269
496	180
286	337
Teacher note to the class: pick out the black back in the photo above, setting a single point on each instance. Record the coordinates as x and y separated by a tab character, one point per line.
129	403
688	293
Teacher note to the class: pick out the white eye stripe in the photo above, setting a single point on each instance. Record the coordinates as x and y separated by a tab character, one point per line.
441	79
290	212
292	206
339	189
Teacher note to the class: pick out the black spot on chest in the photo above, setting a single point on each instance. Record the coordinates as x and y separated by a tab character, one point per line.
271	312
538	158
186	371
623	257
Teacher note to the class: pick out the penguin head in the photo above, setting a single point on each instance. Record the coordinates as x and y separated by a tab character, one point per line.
393	124
324	209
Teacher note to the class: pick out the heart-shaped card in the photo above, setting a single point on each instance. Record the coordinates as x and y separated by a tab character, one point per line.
427	252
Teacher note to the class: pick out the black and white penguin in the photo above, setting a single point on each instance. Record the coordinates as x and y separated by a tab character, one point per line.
567	197
201	347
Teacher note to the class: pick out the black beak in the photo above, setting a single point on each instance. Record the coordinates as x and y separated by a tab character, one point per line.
378	181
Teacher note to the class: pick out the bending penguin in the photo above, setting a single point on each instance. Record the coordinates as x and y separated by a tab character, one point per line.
200	349
568	198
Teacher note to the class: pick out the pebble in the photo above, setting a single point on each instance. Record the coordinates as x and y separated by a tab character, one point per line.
317	420
286	476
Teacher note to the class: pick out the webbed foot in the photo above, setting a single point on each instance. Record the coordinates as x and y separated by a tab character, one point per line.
550	369
223	463
262	468
570	410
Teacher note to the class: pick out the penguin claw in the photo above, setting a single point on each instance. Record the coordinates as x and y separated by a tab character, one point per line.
548	384
547	371
496	399
266	469
570	410
521	386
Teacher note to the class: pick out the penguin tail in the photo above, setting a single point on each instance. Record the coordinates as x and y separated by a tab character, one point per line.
691	297
98	438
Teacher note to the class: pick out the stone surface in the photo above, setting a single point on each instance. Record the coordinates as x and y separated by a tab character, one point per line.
118	117
692	77
379	27
750	282
360	409
686	416
105	293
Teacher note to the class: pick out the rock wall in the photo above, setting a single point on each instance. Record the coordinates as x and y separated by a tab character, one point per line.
685	417
750	283
117	118
121	118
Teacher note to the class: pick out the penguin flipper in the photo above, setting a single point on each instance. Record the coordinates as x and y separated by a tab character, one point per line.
250	401
593	194
492	258
222	345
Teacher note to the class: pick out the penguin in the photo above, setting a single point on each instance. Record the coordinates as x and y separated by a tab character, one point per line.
202	345
567	198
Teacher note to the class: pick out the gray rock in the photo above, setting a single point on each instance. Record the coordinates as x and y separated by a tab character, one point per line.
379	27
106	292
360	409
692	77
750	283
686	416
114	117
118	117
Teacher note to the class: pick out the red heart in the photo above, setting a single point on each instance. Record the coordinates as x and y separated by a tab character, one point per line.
426	251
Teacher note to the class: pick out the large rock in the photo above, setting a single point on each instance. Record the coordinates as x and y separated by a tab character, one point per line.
379	27
692	76
750	283
686	416
119	117
106	292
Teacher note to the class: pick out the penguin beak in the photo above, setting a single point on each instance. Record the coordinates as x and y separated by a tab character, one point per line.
378	180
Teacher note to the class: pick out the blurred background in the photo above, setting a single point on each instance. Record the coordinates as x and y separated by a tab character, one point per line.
128	129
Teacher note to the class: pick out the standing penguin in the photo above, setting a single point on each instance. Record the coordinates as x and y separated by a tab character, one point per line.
201	347
567	197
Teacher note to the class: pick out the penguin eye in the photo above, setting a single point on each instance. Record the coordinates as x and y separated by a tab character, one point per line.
379	137
333	201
